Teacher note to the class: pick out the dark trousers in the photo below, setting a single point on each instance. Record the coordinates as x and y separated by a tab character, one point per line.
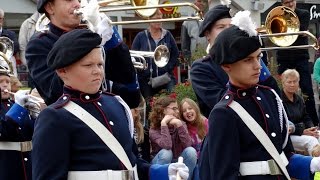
302	66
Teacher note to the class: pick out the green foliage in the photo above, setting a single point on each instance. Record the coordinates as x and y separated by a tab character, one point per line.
183	90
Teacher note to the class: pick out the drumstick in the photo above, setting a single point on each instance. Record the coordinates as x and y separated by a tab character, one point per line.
180	160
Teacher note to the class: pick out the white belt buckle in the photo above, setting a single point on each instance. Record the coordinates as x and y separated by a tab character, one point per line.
274	169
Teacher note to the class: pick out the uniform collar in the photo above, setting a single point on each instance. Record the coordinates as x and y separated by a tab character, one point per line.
243	93
69	93
56	30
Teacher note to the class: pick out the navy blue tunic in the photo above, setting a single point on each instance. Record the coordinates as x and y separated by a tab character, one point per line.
63	143
229	140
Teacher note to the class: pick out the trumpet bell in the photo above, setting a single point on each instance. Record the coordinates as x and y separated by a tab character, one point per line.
161	56
282	19
145	13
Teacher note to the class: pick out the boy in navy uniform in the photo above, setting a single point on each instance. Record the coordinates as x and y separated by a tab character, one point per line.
16	128
119	68
67	148
207	77
231	149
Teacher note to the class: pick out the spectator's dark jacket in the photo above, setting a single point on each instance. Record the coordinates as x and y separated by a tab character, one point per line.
297	114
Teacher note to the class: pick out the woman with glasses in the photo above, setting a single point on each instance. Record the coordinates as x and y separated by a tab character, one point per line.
169	135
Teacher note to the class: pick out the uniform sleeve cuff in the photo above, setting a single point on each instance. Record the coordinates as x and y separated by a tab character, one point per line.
265	73
159	172
114	41
299	166
17	113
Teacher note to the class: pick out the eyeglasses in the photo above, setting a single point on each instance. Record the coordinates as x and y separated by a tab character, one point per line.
173	108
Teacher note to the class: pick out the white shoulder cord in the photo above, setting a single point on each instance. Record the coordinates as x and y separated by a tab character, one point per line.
128	114
282	113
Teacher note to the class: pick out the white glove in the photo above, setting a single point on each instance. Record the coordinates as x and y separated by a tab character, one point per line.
179	168
315	164
21	97
104	29
90	13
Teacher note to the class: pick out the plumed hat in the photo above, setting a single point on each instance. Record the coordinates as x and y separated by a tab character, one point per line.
236	42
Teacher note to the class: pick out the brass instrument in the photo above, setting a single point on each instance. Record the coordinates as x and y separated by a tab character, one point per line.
282	28
6	52
160	56
144	8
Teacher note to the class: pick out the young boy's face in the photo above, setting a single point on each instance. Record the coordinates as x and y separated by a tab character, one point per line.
85	75
245	73
5	84
216	28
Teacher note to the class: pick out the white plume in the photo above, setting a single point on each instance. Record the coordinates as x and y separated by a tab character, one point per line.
225	2
243	20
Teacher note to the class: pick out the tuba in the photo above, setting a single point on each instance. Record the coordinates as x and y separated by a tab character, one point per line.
282	27
6	52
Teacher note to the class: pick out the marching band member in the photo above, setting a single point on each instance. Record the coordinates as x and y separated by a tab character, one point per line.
72	136
248	128
16	129
119	68
208	78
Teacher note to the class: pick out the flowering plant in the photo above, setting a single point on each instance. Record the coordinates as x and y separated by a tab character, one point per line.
180	91
183	90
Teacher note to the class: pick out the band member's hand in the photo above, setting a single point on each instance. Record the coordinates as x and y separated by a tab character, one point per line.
104	29
179	168
315	164
21	97
91	14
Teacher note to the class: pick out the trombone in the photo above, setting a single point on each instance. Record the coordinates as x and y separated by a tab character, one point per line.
160	56
144	10
282	27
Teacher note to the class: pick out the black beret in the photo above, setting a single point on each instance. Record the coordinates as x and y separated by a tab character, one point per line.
214	14
71	47
232	45
40	5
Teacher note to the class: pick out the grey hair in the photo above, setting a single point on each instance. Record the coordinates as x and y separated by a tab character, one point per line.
289	72
1	13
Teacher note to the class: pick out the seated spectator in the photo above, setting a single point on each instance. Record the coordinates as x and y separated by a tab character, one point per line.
197	124
169	136
304	138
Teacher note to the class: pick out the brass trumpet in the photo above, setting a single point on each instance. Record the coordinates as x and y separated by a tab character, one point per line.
144	10
282	28
160	57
